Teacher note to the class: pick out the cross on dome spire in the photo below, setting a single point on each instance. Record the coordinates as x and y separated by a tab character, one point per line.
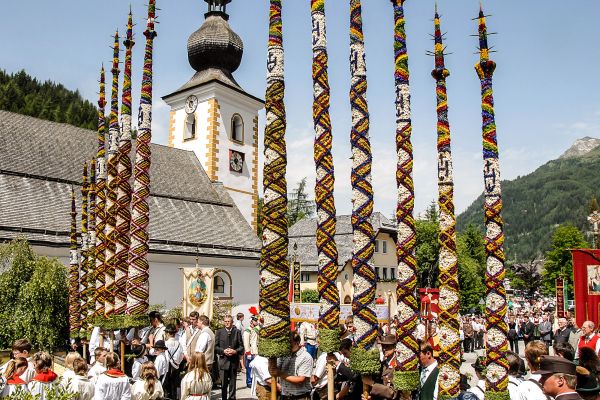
217	5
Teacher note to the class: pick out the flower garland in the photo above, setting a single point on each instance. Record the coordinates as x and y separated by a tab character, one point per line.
84	290
329	297
406	376
74	315
88	296
274	265
123	218
496	306
449	376
100	269
137	283
363	357
111	186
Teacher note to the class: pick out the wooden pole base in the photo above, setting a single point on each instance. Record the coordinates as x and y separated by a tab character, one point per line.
330	382
273	365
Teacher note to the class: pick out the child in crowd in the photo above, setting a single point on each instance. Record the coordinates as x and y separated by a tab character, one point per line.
14	383
148	387
113	384
139	353
98	367
197	383
45	380
69	374
79	383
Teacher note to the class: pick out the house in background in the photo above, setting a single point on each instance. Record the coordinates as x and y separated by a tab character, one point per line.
303	234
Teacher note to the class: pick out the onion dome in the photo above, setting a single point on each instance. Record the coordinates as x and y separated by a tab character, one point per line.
215	45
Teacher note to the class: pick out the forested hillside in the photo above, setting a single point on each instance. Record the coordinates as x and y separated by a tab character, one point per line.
558	192
20	93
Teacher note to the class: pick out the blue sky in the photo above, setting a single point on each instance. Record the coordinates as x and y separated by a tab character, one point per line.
546	89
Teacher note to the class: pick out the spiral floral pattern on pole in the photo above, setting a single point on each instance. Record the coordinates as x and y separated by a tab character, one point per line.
112	185
329	296
406	377
363	303
137	283
90	299
100	269
124	172
74	314
496	305
84	290
449	375
274	263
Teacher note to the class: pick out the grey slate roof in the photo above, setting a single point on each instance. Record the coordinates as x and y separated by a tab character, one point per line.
303	233
41	160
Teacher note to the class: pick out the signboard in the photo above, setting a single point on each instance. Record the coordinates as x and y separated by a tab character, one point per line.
297	291
300	312
560	297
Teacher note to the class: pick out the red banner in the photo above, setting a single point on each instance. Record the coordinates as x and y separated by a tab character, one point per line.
586	284
560	297
429	303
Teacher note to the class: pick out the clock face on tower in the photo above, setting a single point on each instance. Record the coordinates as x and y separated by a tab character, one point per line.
236	161
190	104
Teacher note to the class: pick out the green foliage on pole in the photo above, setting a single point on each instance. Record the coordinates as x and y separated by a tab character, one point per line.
558	261
33	297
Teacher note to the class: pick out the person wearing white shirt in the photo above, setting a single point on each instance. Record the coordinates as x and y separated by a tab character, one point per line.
319	377
112	384
174	354
22	348
161	362
139	354
261	378
197	383
98	367
206	341
479	389
308	338
531	389
149	386
514	365
79	383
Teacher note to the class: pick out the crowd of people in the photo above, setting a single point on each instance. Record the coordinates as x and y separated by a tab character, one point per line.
186	360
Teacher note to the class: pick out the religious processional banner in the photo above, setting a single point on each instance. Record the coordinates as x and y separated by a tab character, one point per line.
586	284
560	297
198	291
300	312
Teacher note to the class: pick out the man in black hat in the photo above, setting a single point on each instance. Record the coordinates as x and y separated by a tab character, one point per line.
479	367
587	384
559	378
384	387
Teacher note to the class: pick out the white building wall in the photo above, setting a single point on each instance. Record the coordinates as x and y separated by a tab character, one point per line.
199	145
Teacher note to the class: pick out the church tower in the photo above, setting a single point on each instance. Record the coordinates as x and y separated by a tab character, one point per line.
213	116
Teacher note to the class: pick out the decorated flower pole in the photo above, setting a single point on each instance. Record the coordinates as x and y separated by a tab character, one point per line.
84	265
274	336
123	219
74	314
329	297
137	279
449	375
365	356
496	344
100	269
111	186
90	302
406	376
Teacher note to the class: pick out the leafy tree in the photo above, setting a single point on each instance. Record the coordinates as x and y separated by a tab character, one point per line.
299	205
20	93
309	296
33	297
558	259
470	278
427	249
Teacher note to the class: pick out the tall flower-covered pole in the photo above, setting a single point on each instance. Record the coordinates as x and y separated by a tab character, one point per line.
74	314
111	185
329	296
137	279
449	376
84	271
122	237
365	357
274	265
406	377
100	203
88	295
496	344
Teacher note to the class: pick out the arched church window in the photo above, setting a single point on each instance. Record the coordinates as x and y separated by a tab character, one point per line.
237	128
190	127
219	285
